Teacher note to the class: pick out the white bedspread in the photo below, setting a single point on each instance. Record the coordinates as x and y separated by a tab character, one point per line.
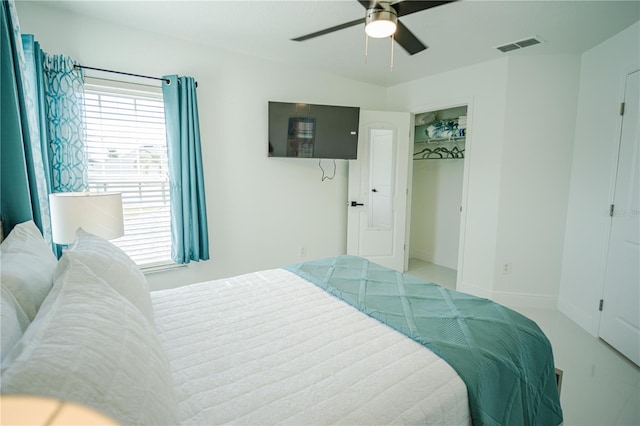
272	348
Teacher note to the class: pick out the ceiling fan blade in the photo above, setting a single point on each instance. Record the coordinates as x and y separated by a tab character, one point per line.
329	30
407	7
368	4
407	40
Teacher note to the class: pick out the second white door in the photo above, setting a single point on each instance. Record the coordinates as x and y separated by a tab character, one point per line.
377	215
620	320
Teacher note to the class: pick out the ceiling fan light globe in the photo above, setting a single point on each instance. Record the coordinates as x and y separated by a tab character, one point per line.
380	23
380	29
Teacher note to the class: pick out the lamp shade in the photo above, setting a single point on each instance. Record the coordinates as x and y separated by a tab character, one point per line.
97	213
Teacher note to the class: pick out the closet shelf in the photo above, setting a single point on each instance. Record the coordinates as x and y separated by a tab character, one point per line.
442	136
441	140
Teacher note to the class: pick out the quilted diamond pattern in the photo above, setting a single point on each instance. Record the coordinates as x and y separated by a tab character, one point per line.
503	357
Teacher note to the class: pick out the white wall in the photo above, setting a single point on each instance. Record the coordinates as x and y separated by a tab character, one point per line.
482	87
542	93
435	211
514	204
261	210
603	70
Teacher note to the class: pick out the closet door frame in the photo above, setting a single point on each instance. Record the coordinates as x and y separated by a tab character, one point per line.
468	156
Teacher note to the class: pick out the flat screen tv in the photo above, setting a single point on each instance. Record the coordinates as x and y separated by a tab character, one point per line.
313	131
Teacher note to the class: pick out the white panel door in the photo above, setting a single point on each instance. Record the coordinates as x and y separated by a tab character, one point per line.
377	214
620	320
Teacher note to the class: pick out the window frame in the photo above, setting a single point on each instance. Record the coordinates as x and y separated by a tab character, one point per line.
115	87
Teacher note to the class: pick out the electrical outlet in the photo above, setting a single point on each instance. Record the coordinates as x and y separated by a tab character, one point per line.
506	268
303	251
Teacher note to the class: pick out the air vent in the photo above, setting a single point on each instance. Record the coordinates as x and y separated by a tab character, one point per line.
508	47
519	44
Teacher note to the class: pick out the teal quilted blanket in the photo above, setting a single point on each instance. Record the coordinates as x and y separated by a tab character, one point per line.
503	357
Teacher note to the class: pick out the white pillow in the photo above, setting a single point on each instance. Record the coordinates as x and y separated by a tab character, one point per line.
112	265
88	344
13	321
27	266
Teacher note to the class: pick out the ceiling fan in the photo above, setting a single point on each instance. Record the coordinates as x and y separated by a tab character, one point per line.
383	16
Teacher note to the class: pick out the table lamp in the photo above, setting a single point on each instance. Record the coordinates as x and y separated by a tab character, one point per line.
97	213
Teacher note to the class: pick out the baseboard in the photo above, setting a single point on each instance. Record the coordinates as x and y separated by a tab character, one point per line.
583	319
526	300
423	255
520	300
476	291
427	256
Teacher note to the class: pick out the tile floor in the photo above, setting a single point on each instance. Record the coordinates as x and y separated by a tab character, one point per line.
599	386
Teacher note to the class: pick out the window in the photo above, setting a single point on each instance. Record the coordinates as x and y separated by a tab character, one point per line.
127	153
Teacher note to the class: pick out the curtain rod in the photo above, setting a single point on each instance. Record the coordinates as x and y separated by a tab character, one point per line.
124	73
121	72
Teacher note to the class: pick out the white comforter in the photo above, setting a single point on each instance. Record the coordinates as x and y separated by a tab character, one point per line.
272	348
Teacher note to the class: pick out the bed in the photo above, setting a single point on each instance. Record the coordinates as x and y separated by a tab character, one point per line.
330	341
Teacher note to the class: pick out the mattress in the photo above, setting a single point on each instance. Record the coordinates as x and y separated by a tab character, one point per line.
272	348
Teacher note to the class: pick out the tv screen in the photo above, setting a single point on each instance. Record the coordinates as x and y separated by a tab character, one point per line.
313	131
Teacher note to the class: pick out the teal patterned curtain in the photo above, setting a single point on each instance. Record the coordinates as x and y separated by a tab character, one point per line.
189	231
38	146
23	192
41	115
63	96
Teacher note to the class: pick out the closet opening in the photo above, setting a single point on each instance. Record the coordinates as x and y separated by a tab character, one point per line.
436	195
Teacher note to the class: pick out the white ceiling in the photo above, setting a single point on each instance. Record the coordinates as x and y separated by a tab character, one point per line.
457	34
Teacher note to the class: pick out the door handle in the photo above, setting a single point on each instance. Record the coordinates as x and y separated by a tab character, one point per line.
356	204
374	190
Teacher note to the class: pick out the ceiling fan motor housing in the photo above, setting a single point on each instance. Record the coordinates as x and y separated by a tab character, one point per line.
381	22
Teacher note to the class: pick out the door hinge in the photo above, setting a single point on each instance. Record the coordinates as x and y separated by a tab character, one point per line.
622	108
611	210
600	305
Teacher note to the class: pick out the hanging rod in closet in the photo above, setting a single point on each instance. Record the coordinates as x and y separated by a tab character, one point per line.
439	153
124	73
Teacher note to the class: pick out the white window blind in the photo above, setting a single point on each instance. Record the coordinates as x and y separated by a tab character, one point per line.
127	152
